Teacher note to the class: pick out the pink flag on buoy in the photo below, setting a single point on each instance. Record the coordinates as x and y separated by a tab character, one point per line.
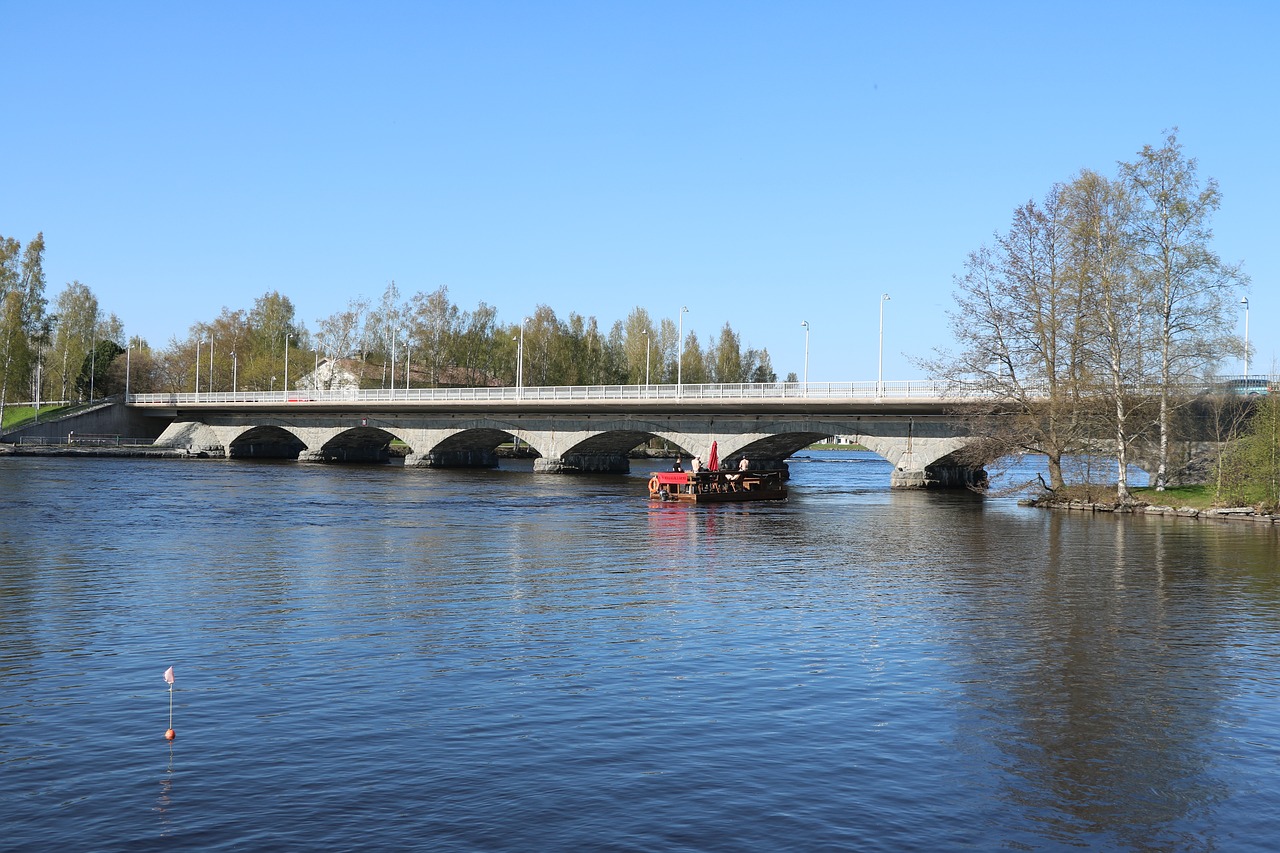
168	675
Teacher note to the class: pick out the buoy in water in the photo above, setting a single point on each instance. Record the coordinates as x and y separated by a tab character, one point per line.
170	734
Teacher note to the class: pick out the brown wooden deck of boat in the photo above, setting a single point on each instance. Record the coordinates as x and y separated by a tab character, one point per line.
717	486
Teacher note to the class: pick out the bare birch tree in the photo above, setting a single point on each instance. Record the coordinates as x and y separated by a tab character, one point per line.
1103	259
1021	328
1192	291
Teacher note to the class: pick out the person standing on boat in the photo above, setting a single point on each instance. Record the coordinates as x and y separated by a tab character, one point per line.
697	465
742	464
676	467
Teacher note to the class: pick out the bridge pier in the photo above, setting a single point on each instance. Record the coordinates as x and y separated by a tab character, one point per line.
938	476
368	454
584	463
472	458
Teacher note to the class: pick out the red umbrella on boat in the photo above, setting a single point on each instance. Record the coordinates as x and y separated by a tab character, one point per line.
713	461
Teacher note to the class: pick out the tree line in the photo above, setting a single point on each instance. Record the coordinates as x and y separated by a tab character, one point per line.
68	350
1090	321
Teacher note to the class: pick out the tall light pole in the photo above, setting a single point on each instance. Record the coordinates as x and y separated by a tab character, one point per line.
520	361
408	361
234	365
680	353
805	323
646	359
211	364
394	335
128	363
884	297
284	386
1244	300
198	343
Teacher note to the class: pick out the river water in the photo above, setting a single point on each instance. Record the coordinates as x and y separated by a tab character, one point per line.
390	658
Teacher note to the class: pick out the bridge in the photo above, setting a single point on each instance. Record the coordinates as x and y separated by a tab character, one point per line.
570	429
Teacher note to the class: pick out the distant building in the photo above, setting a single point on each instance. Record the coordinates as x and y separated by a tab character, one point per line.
344	374
331	374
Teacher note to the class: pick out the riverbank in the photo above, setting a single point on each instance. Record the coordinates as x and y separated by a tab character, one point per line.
1238	513
87	451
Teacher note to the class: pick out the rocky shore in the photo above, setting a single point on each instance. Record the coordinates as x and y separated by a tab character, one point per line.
1235	513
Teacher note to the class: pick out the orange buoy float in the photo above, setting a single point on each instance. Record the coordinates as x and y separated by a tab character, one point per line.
170	734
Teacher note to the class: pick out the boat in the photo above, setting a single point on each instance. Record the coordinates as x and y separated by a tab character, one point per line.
717	486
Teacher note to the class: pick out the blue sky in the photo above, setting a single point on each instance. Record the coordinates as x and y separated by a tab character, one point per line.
761	163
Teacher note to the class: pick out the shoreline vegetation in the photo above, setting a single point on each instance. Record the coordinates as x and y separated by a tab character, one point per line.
1182	502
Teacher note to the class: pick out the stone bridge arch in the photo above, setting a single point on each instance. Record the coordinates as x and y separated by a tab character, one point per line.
267	441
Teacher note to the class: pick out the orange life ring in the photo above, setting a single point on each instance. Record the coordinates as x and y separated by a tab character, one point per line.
653	484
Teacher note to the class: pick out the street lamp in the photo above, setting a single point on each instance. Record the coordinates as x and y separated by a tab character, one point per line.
128	363
1244	300
805	323
234	365
285	385
394	335
680	353
198	343
520	362
646	359
884	297
211	364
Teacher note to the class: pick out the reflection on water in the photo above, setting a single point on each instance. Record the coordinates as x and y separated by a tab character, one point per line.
505	660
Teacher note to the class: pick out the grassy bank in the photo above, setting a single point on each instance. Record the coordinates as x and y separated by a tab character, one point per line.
20	416
1201	496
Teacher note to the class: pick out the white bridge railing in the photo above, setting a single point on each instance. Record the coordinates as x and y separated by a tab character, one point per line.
798	391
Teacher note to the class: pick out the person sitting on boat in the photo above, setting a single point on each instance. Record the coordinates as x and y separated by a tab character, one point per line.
734	478
676	467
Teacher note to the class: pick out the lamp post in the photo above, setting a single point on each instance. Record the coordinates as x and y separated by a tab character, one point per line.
408	361
128	364
234	365
520	362
805	323
210	364
1244	300
646	359
285	385
680	353
884	297
394	335
198	343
